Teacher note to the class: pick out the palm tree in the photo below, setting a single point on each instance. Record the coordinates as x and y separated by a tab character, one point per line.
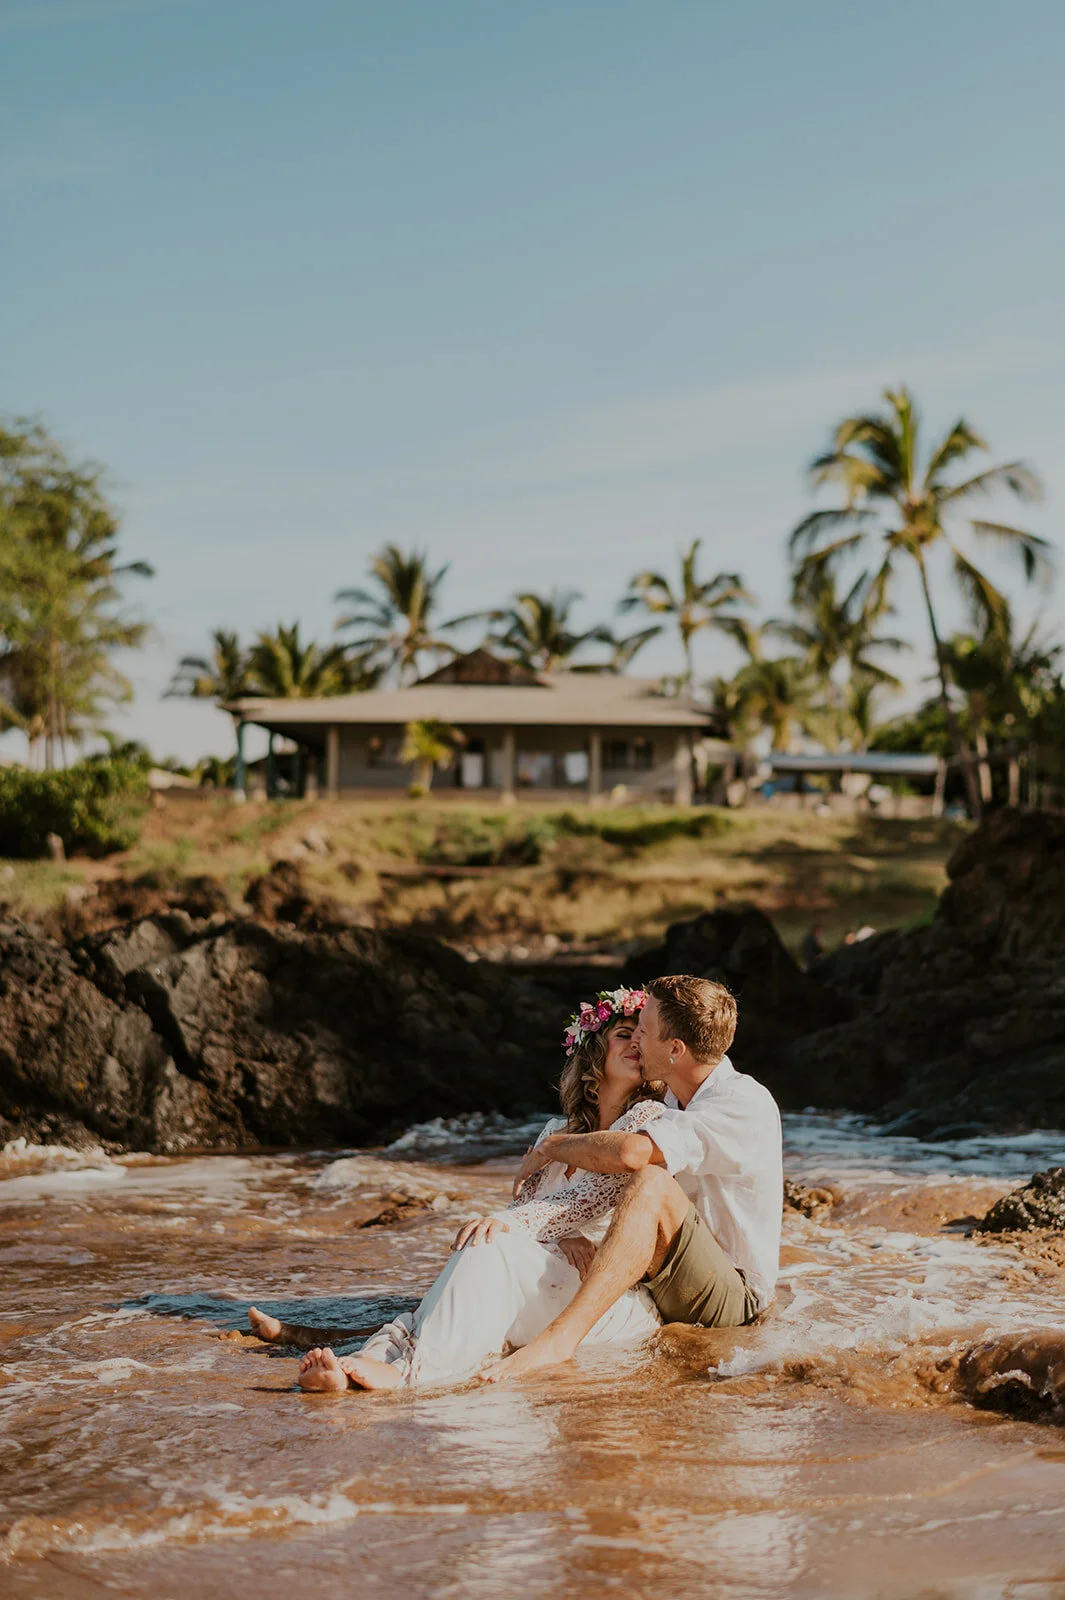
1004	680
904	499
695	603
536	629
394	621
60	592
835	634
778	694
224	676
429	742
281	667
624	648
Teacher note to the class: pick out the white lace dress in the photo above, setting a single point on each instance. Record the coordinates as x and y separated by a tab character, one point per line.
506	1292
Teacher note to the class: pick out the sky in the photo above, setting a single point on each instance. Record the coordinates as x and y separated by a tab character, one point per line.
548	289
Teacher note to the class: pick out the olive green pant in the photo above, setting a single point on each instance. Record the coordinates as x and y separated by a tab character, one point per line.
698	1284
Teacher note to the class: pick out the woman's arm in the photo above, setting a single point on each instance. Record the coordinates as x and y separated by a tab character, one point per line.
588	1197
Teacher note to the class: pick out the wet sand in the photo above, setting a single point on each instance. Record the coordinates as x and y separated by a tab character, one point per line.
824	1454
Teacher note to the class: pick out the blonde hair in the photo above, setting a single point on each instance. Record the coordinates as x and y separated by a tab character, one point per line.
578	1087
699	1012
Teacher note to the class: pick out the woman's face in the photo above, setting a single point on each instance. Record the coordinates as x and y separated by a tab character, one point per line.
621	1070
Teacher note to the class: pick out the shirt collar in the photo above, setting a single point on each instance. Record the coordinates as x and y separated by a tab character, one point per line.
721	1075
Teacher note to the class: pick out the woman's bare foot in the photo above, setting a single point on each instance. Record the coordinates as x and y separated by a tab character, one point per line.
321	1373
543	1351
371	1374
266	1328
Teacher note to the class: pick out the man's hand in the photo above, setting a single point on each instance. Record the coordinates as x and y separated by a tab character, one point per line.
534	1160
578	1251
479	1230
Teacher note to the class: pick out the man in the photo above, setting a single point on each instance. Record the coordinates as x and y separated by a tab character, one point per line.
699	1223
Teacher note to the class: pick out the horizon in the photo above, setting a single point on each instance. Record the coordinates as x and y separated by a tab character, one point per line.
548	294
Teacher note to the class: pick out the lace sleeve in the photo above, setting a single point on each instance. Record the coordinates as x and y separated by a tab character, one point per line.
588	1197
532	1186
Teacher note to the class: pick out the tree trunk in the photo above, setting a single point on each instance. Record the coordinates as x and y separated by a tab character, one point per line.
961	749
983	767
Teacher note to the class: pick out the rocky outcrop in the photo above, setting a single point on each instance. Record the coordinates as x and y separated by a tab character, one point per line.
778	1001
1039	1203
944	1029
168	1034
1022	1373
961	1023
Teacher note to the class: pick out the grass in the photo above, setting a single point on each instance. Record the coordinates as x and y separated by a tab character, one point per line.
616	876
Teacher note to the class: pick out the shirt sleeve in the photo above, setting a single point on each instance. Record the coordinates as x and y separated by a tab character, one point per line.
718	1136
590	1195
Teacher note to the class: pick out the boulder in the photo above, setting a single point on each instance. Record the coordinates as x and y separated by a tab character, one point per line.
1021	1373
1039	1203
778	1001
958	1024
168	1034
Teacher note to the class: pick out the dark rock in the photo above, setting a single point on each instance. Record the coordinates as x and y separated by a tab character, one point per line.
168	1034
282	894
810	1200
1022	1373
1040	1203
959	1024
778	1001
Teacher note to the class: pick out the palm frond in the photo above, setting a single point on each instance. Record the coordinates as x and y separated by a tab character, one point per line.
804	537
958	443
1015	476
987	604
1036	555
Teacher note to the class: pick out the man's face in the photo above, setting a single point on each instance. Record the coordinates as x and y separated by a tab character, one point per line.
654	1052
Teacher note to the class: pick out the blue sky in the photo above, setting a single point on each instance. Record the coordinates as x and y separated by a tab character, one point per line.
550	288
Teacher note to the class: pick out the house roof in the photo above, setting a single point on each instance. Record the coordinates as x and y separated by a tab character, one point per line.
568	699
886	763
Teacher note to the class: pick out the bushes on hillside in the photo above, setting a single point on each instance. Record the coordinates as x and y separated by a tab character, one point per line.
94	806
509	839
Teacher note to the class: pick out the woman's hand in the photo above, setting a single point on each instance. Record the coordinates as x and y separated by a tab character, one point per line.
479	1230
578	1251
534	1160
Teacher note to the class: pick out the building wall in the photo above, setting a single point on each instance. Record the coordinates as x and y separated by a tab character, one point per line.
549	759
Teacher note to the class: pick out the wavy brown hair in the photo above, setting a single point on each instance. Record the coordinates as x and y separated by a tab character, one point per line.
578	1087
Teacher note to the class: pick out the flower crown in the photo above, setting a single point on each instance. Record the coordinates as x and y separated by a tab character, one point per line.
592	1015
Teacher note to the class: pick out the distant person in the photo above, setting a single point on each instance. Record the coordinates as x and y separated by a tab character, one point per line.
812	945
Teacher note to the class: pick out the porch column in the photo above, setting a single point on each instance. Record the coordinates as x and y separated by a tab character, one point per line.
270	785
509	763
941	784
682	771
239	790
332	761
595	765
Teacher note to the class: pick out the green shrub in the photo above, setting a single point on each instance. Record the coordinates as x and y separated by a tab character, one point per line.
94	806
638	829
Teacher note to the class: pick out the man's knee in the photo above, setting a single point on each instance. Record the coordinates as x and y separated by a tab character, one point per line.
653	1187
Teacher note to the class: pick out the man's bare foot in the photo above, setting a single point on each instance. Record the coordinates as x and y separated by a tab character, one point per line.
266	1328
543	1351
320	1373
371	1374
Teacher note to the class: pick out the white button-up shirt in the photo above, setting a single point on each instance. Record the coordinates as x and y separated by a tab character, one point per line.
724	1149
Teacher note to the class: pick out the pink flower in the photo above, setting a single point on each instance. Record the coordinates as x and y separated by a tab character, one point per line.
635	1001
604	1010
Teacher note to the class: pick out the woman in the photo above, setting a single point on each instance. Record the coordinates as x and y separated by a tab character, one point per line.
507	1277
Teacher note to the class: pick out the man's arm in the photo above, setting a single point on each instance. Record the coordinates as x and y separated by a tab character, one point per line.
613	1151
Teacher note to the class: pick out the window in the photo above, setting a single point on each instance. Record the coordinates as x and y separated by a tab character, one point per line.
628	755
384	752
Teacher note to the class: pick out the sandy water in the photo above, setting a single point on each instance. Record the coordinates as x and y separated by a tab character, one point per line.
141	1454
